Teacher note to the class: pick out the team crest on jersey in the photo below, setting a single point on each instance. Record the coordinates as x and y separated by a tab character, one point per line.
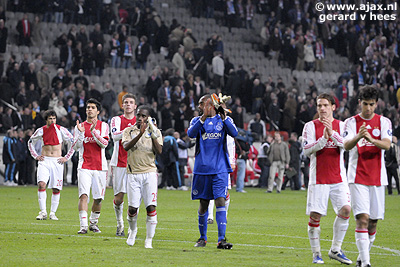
219	126
390	132
376	132
305	143
345	133
195	192
114	130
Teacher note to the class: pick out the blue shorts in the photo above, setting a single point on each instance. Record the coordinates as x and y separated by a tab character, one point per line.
209	186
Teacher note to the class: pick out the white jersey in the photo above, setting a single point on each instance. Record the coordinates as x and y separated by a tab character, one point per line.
366	161
91	146
230	144
326	156
118	124
51	135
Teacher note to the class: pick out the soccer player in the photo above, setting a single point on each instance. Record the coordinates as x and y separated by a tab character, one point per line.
230	142
118	160
91	139
367	136
51	163
211	166
323	143
142	141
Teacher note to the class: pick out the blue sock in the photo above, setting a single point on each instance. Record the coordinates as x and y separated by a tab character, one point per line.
203	225
221	222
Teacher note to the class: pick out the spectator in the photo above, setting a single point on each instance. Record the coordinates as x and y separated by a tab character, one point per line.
218	68
279	157
88	59
97	36
127	53
24	29
66	56
179	118
99	60
242	152
164	93
257	94
142	51
115	51
109	98
263	161
82	36
179	62
3	37
152	85
293	173
9	158
309	57
392	165
319	55
258	128
166	116
121	94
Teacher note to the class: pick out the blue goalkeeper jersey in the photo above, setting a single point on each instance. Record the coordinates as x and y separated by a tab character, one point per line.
211	151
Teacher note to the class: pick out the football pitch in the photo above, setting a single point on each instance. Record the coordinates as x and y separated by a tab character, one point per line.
265	229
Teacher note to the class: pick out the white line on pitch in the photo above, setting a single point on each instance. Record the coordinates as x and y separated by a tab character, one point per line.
181	241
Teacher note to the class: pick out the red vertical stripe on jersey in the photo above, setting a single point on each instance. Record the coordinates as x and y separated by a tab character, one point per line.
122	154
92	151
328	158
368	170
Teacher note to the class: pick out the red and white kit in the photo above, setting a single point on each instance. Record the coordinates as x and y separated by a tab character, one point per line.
366	171
327	171
92	159
49	169
118	160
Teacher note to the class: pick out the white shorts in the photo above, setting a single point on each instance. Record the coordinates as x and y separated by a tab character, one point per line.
369	200
97	180
119	176
50	169
318	196
142	186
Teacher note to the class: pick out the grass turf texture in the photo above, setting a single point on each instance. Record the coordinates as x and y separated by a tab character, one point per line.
266	230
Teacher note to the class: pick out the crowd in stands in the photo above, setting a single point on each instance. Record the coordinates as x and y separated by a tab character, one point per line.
292	34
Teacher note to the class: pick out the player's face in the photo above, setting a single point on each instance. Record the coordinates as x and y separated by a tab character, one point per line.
91	111
325	108
50	120
202	103
367	108
129	105
141	116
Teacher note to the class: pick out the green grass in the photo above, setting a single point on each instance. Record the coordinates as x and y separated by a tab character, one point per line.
266	230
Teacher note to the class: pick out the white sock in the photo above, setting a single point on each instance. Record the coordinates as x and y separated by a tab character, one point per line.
362	242
132	220
151	223
211	210
83	218
371	239
42	196
227	201
339	231
314	232
55	200
118	213
94	217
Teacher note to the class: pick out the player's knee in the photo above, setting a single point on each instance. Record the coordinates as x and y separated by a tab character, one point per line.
42	185
83	197
315	216
362	220
150	208
97	201
132	211
345	211
219	202
118	199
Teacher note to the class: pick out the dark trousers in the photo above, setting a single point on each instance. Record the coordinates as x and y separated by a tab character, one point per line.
172	175
263	180
393	172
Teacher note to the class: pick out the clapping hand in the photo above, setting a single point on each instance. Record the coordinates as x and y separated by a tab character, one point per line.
80	127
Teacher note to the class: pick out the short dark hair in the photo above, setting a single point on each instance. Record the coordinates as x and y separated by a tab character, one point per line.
49	113
368	92
128	95
144	107
327	97
94	101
